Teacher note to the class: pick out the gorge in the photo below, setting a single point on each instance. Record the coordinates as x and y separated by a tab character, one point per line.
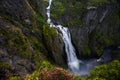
71	35
72	61
76	66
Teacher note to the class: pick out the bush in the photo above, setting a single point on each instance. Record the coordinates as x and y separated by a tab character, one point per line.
106	72
57	10
14	78
97	2
55	74
48	72
45	64
48	32
4	65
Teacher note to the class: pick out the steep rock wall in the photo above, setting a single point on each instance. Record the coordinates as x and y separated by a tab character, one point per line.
94	25
25	39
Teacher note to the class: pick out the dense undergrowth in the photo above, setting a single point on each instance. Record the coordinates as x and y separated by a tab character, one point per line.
47	71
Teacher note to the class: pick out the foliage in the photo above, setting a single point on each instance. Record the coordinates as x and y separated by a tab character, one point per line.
97	2
48	32
14	78
99	50
102	40
78	8
87	50
40	18
4	65
114	19
47	71
45	64
55	74
42	65
57	10
75	22
106	72
50	74
105	40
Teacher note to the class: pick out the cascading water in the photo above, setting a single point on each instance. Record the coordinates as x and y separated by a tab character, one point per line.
73	62
75	65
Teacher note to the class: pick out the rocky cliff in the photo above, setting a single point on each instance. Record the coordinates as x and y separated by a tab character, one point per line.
94	25
26	40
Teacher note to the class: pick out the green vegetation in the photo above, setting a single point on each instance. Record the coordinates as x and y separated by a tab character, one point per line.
87	50
114	19
26	40
99	50
74	22
45	64
57	10
40	19
14	78
75	9
106	72
101	40
20	43
4	65
48	32
99	2
47	71
104	39
35	75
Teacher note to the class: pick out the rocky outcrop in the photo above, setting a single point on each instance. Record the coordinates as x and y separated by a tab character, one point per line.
25	41
97	32
92	28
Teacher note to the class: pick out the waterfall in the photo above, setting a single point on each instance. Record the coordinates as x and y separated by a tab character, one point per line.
76	66
73	62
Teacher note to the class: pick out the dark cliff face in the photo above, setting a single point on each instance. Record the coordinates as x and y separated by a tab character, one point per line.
25	39
100	30
94	25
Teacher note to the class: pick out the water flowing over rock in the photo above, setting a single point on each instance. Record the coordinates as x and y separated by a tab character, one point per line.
73	62
25	37
85	42
75	65
96	27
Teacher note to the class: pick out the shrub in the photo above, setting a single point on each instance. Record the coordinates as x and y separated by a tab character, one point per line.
48	72
14	78
4	65
97	2
45	64
48	32
55	74
106	72
57	10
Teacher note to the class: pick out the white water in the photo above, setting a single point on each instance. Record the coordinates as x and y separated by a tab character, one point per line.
91	7
75	65
73	62
104	14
